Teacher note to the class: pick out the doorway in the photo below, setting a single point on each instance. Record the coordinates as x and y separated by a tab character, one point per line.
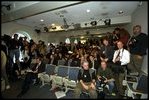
21	34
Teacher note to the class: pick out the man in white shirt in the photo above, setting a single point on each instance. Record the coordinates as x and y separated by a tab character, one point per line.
120	59
124	56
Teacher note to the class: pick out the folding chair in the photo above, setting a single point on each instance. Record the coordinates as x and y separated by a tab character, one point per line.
71	81
45	77
61	74
61	62
139	89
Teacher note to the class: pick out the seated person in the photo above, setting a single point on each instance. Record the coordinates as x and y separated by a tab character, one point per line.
24	64
104	75
33	74
75	61
86	82
16	72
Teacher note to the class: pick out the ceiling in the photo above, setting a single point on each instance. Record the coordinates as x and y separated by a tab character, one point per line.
14	6
30	13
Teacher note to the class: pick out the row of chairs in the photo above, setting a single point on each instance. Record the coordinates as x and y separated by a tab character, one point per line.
136	86
66	76
62	76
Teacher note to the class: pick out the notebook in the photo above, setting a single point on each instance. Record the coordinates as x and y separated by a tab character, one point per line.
60	94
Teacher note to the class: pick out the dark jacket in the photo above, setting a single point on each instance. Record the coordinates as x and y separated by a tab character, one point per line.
14	44
41	68
109	52
75	62
140	45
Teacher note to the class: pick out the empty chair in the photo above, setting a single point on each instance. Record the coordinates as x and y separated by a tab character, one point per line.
45	77
62	71
61	74
71	81
50	69
61	62
139	89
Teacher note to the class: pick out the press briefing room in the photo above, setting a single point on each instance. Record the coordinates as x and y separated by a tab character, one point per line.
74	49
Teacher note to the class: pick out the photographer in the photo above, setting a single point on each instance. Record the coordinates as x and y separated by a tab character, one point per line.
121	34
86	81
107	52
120	60
104	76
138	45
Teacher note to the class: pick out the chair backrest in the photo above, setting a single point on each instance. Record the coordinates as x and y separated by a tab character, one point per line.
50	69
143	84
62	71
61	62
73	73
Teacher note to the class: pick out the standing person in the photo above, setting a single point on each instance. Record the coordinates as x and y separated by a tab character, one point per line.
107	51
120	59
86	82
14	48
138	45
116	36
14	51
121	34
124	37
3	68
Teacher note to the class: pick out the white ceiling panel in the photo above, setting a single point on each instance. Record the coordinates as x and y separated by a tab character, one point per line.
77	13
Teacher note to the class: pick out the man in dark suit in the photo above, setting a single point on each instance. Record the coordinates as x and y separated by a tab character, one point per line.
32	74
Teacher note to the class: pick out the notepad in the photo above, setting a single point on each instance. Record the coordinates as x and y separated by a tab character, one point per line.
60	94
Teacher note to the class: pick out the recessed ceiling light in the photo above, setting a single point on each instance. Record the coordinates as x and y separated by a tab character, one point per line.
41	20
53	24
88	10
120	12
99	36
82	37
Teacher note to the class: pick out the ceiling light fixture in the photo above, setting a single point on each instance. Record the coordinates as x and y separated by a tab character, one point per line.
93	23
87	10
120	12
99	36
53	24
107	21
46	29
82	37
41	20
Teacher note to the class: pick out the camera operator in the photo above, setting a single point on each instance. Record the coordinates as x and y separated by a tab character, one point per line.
138	46
104	76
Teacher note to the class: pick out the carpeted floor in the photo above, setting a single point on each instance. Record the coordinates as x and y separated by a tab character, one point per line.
35	92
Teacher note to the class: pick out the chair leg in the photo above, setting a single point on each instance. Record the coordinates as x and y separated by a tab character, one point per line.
53	86
66	89
43	83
